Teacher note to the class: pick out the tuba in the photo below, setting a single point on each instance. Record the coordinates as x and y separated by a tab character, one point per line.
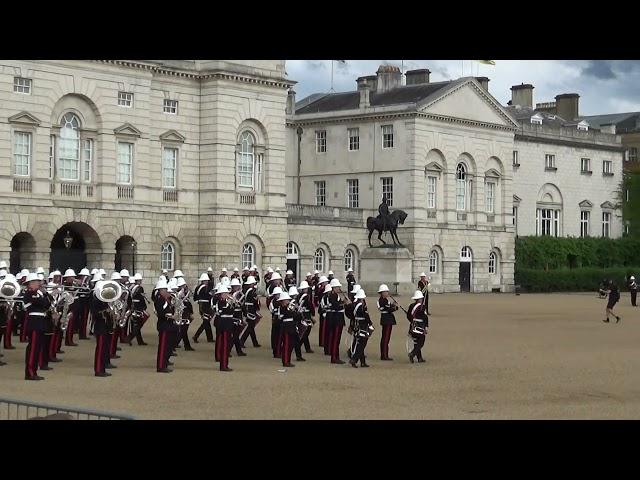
109	292
9	291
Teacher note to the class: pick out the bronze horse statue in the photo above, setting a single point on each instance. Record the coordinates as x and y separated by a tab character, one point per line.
395	218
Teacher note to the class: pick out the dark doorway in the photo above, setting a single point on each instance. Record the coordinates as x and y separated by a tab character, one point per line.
125	254
72	255
22	252
292	264
465	276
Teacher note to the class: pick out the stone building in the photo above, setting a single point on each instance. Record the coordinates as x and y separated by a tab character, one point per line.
142	164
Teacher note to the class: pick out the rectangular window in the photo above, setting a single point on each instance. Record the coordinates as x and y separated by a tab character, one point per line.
88	159
321	141
550	161
633	154
547	222
584	224
387	190
321	193
433	262
52	156
607	166
259	167
606	224
514	218
490	196
387	136
245	169
170	106
354	139
585	165
169	167
556	223
431	192
22	85
353	200
461	190
69	158
21	154
515	158
125	162
125	99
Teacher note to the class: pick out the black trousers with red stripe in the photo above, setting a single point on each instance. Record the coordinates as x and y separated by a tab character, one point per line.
8	332
321	330
68	334
276	338
235	339
249	331
336	335
384	341
289	342
115	336
223	347
36	341
357	349
84	320
305	340
101	357
52	345
3	332
23	321
166	343
43	358
327	335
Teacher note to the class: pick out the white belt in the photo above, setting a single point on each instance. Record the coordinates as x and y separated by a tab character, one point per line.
36	314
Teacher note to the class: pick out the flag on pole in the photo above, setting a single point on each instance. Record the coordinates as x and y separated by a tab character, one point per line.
487	62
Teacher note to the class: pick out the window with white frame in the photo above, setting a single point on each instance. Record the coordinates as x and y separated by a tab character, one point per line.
321	193
353	199
125	162
548	222
584	223
170	106
431	191
433	262
349	260
633	154
22	85
607	166
125	99
292	249
167	256
514	218
461	187
259	161
52	156
87	153
549	161
536	120
387	136
354	139
387	190
69	148
492	263
606	224
245	160
490	196
321	141
248	255
515	158
585	165
21	154
169	167
627	226
465	253
318	260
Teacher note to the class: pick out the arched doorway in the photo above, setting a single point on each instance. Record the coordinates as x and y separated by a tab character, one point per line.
70	246
22	255
125	254
293	258
464	277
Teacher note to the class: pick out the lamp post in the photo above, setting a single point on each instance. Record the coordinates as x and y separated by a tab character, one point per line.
133	255
68	240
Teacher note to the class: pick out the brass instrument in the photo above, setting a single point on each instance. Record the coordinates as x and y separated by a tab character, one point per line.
67	298
9	291
177	301
109	292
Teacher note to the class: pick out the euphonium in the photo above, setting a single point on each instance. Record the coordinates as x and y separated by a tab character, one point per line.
9	291
109	292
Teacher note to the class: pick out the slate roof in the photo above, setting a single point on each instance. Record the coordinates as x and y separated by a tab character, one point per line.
524	114
624	122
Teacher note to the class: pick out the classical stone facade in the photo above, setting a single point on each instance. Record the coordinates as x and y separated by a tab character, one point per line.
135	158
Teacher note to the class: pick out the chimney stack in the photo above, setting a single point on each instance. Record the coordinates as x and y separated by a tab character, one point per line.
415	77
484	83
291	102
567	106
522	95
369	80
364	89
389	77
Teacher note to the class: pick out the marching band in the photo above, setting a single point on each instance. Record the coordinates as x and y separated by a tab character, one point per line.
115	310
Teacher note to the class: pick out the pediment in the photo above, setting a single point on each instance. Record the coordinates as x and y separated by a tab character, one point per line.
516	199
24	118
172	136
493	173
585	204
467	100
127	129
433	167
608	205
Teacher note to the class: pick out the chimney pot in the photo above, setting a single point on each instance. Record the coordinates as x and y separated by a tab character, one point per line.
484	83
415	77
389	77
291	102
567	106
522	95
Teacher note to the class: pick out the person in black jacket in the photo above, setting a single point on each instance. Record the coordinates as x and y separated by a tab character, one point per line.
387	320
250	311
418	325
224	329
351	281
305	300
139	313
614	296
202	296
335	319
167	329
633	290
362	326
187	317
36	305
102	326
288	319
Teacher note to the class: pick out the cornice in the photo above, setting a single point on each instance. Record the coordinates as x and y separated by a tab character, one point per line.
568	143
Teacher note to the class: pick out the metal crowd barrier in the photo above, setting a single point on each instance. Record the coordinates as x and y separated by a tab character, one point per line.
11	409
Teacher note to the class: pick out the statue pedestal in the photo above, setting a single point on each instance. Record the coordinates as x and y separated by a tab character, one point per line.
386	265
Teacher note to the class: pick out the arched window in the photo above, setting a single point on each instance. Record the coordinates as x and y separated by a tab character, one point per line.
248	255
349	259
433	262
492	262
461	187
318	260
292	249
69	148
465	254
167	256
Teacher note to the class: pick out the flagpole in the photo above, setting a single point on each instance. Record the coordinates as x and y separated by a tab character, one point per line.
331	77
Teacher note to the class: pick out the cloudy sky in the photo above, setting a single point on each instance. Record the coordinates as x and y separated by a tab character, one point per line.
605	86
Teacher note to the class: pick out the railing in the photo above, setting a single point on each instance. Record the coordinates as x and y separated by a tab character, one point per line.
89	190
70	189
170	195
462	216
247	198
22	185
546	105
52	188
491	218
431	214
324	213
125	192
23	410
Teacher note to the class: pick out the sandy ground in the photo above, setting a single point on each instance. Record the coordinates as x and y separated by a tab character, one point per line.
491	356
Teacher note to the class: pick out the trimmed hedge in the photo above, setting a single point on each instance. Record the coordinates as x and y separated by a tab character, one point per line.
575	279
550	253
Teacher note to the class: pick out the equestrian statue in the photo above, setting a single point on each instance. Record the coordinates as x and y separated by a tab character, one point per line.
386	222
